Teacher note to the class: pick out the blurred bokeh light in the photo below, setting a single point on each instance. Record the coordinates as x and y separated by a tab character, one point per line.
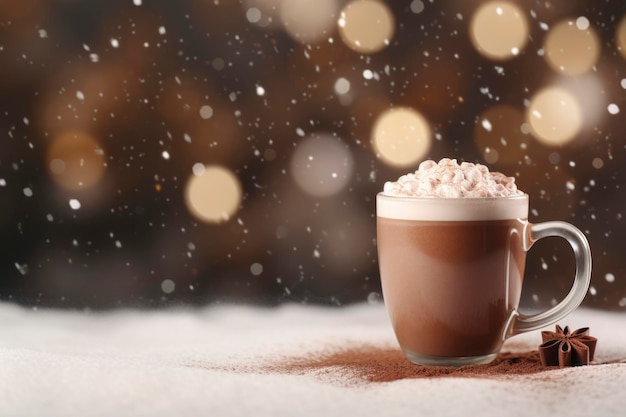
161	153
555	116
213	193
499	30
76	160
572	47
620	36
308	20
401	137
366	26
322	165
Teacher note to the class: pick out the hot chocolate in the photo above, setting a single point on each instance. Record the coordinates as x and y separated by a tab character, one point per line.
460	298
452	242
451	283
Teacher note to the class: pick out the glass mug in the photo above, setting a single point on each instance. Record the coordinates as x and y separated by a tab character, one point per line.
452	270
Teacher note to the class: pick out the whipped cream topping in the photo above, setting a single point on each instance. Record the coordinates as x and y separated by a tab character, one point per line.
449	179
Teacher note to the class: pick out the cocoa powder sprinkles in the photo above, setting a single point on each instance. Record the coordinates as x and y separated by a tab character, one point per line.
375	364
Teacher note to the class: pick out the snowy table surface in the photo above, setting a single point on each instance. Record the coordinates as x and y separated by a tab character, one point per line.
188	362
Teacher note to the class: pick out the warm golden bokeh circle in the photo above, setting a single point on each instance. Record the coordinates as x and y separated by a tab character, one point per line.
308	21
366	26
499	30
570	50
213	194
75	160
555	116
401	137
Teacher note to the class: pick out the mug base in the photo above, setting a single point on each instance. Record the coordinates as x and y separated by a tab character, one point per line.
448	360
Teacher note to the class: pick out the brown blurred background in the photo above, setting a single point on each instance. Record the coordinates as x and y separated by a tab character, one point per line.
197	151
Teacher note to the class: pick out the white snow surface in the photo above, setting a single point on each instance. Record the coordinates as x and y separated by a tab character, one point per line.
182	362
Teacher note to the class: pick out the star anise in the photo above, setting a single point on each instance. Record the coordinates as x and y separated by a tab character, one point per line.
563	348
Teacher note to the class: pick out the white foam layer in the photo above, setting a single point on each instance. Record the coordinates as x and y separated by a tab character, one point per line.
452	209
448	179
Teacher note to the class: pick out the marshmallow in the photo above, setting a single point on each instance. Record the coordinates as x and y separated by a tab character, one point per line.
448	179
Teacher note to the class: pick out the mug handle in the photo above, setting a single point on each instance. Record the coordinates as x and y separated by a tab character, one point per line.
582	279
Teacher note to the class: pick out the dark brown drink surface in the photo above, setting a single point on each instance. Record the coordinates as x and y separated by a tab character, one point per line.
450	286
